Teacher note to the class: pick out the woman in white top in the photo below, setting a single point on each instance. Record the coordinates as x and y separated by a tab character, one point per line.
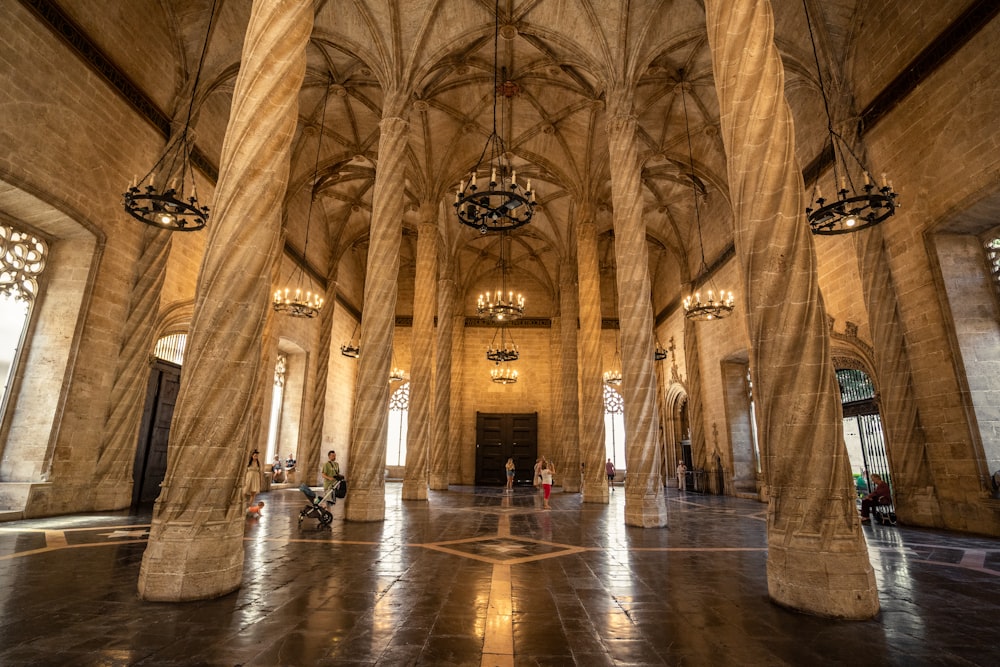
547	471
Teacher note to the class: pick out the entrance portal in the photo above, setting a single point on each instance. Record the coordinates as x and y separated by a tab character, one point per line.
500	436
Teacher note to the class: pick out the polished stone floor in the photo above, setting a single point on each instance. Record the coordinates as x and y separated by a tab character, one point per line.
480	577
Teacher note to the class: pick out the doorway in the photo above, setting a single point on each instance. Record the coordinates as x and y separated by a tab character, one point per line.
500	436
151	453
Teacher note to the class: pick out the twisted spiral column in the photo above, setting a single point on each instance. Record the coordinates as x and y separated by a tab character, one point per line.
591	414
440	449
195	548
644	504
308	461
113	471
692	363
817	558
420	428
370	427
569	407
912	482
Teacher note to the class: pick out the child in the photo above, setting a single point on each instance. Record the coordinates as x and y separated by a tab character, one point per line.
254	510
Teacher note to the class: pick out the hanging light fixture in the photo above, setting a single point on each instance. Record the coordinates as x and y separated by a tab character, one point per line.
501	305
503	374
716	306
161	198
613	375
659	352
502	204
504	352
295	300
352	348
397	374
852	208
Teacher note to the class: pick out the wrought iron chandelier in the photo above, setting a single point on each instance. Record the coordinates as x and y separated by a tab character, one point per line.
352	348
501	305
718	305
504	352
296	301
502	204
161	198
397	374
852	208
613	375
659	352
503	374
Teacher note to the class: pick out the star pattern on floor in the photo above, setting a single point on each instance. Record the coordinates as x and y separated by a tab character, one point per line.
504	550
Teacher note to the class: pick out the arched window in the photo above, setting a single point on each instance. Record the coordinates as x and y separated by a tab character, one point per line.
22	259
171	348
277	394
399	408
614	427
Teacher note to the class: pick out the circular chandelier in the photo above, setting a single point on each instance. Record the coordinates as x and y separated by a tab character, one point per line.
501	305
694	308
659	352
711	309
296	304
852	208
504	352
503	375
291	301
502	204
351	348
166	202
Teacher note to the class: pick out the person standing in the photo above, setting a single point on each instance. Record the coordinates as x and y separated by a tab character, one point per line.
331	475
509	469
682	476
609	469
548	470
536	478
252	477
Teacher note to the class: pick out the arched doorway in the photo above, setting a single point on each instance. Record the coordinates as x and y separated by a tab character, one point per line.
863	434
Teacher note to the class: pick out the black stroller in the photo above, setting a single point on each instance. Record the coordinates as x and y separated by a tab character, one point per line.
316	507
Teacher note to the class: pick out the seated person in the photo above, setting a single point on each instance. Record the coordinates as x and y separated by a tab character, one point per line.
880	496
277	473
290	462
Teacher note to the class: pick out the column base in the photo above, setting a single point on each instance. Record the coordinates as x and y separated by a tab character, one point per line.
647	511
192	560
414	489
822	582
596	492
365	504
438	481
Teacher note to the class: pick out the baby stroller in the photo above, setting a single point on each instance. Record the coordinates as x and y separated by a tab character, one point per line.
316	507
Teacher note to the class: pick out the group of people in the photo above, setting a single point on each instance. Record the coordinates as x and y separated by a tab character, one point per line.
544	473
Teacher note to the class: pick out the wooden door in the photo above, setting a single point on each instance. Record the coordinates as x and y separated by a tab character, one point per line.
151	451
500	436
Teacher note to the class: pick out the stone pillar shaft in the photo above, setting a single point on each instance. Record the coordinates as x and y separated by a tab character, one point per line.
370	427
113	472
817	558
309	458
644	504
195	548
441	449
569	408
420	428
591	414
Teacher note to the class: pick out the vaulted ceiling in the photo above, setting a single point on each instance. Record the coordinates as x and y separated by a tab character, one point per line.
433	63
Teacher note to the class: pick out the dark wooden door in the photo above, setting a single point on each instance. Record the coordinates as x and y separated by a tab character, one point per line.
500	436
151	451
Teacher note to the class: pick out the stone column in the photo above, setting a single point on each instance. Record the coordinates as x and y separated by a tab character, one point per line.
113	472
370	427
569	408
420	427
308	460
644	505
696	420
591	412
195	548
557	448
441	448
817	558
455	467
912	483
